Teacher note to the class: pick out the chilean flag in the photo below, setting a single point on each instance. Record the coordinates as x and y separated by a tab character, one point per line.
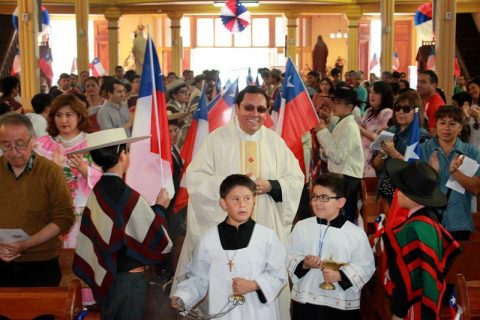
97	68
197	133
297	114
221	112
151	159
413	148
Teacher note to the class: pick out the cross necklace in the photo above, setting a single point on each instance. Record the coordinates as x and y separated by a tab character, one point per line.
230	263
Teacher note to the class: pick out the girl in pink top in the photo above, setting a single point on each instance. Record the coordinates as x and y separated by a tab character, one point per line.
375	119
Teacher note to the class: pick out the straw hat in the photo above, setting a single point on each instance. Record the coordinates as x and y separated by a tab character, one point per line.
107	138
175	84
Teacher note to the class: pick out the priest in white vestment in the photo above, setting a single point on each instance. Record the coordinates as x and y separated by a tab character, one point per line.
243	146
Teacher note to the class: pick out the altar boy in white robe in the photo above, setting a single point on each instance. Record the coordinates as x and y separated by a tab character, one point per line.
328	236
236	257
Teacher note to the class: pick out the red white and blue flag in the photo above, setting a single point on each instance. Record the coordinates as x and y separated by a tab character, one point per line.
235	16
45	16
97	68
221	113
196	135
413	148
297	114
45	63
151	159
396	61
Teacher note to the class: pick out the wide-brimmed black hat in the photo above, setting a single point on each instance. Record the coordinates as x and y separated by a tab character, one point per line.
418	181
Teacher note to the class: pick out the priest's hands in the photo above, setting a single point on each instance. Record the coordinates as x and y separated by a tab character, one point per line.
312	262
163	198
243	286
262	186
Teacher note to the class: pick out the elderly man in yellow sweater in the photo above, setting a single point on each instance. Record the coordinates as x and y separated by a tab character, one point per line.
33	197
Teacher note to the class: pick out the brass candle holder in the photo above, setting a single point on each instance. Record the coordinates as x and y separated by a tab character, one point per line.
330	264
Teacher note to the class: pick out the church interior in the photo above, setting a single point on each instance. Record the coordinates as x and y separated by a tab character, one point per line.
371	36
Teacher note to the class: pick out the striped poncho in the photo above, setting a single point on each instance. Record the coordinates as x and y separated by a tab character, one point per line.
419	251
107	227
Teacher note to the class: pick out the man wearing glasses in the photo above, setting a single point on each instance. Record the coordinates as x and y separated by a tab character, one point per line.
33	197
243	146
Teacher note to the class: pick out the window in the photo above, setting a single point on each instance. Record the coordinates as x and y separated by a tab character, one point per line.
261	29
223	37
205	32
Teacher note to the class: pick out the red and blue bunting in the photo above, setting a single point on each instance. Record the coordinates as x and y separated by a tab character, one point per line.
235	16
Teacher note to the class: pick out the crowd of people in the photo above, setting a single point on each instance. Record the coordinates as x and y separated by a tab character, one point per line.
254	220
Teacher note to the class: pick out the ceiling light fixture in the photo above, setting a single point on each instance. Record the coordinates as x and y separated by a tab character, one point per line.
246	3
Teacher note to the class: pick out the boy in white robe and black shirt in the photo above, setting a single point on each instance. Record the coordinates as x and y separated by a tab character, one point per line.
237	257
328	236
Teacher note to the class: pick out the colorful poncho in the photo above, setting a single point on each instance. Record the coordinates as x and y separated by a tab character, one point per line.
106	228
420	252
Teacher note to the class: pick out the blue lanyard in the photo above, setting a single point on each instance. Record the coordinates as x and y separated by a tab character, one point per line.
320	239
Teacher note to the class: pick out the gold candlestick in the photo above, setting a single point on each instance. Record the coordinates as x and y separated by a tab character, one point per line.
330	264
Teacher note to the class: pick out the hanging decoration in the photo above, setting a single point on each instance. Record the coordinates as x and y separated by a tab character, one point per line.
235	16
423	20
45	20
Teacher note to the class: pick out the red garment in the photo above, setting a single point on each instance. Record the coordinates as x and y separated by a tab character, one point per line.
431	106
12	103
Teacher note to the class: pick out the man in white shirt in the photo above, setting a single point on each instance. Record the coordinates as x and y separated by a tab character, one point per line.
41	103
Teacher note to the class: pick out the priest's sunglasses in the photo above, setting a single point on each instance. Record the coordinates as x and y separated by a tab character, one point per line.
251	108
7	147
322	197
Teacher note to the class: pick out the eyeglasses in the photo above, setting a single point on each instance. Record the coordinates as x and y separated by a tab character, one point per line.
405	109
322	198
18	147
251	108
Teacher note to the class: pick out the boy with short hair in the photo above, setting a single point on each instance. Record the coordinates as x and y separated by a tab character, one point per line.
328	236
343	146
237	257
120	234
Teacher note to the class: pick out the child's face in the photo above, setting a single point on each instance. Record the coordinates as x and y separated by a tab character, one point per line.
325	210
340	108
239	204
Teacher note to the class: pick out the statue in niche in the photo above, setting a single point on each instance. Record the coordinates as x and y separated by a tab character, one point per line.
319	56
139	47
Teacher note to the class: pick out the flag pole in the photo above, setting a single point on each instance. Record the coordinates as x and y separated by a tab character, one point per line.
155	102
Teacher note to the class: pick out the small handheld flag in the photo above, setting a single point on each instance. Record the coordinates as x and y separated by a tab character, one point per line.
413	148
97	68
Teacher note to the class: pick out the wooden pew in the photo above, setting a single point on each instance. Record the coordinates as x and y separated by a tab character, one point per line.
28	303
476	222
468	297
466	263
370	207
